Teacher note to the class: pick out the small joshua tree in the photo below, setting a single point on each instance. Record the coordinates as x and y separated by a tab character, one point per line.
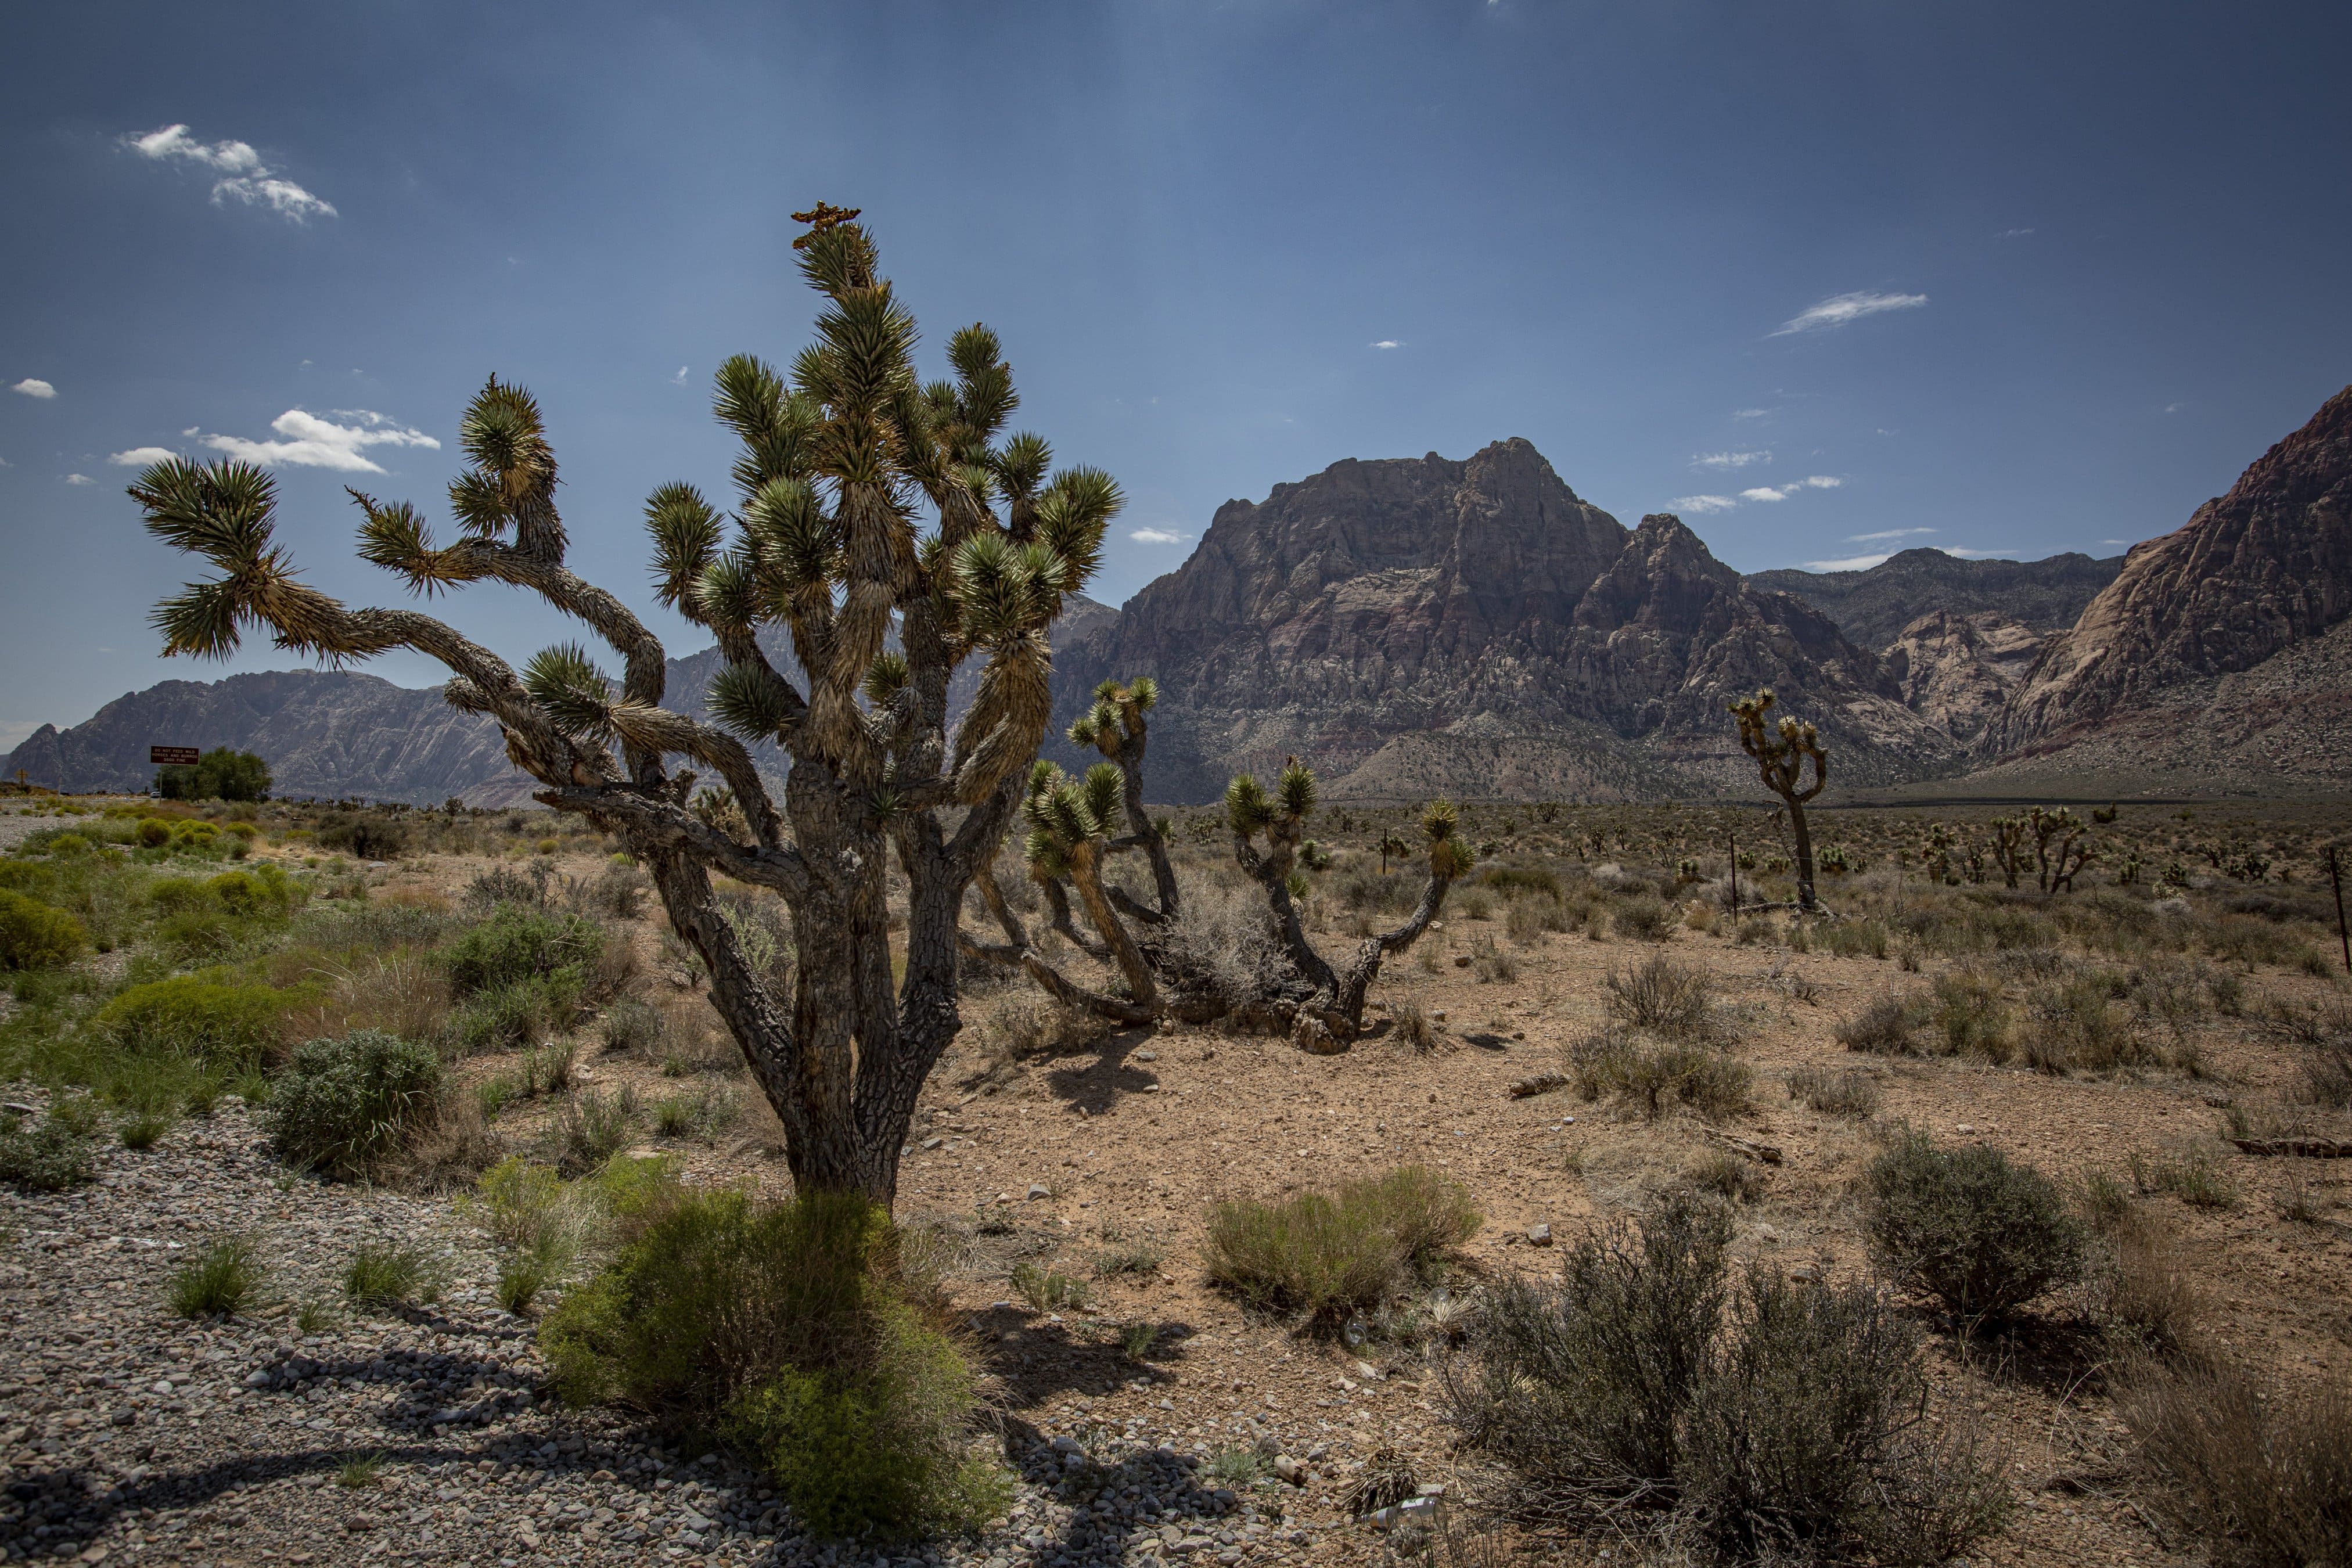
1073	827
2007	846
2059	849
824	549
1780	753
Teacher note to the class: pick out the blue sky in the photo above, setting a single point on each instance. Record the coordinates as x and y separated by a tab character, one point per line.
1828	278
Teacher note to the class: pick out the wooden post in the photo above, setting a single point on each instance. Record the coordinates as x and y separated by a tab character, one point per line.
1734	839
2335	880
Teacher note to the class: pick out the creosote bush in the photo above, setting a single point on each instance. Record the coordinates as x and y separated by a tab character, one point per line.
1660	994
1980	1235
35	936
1833	1093
1654	1077
221	1022
1327	1255
347	1105
793	1331
44	1155
1770	1420
2266	1474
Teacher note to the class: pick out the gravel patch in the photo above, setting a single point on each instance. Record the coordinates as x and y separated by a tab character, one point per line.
129	1435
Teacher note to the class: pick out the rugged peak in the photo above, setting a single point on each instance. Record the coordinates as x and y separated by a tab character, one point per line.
2251	573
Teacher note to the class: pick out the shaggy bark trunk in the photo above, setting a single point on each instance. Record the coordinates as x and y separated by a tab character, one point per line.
1804	837
1347	1001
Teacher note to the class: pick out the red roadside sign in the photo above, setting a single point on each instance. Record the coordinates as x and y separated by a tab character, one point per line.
172	756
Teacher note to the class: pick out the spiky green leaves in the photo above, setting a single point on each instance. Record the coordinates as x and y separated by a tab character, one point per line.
513	479
1071	518
1451	858
1294	791
1440	819
686	536
796	547
575	694
776	427
1064	813
1247	809
751	702
726	595
394	537
886	676
1005	590
1021	466
225	512
1116	720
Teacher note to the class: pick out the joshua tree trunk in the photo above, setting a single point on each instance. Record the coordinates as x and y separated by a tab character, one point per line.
1780	761
827	553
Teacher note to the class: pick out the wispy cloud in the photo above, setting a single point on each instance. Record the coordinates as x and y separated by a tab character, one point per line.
1848	564
2015	233
1964	553
1782	492
1839	308
679	379
79	480
1703	504
2169	408
2115	542
1158	536
1730	459
1750	412
1388	343
309	442
1884	534
33	387
244	176
140	457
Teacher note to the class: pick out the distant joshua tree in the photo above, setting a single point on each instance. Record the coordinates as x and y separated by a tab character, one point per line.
1780	753
824	547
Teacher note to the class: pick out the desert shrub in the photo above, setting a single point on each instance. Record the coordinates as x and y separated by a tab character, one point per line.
1490	963
364	835
633	1027
1532	914
1048	1289
1653	1077
504	885
1659	993
790	1329
1854	939
1884	1025
589	1129
1223	942
705	1114
525	1013
517	945
45	1154
224	1021
1644	918
2146	1297
1982	1235
2193	1175
1804	1439
216	1279
1833	1093
2076	1025
390	1274
1727	1176
1473	903
346	1105
2267	1474
1966	1010
1577	1388
35	936
1329	1255
1410	1025
221	773
1021	1023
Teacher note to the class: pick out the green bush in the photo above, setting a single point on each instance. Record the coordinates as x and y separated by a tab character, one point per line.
1708	1080
385	1274
220	774
48	1156
790	1330
347	1105
518	944
1331	1255
523	1014
35	936
216	1021
1965	1226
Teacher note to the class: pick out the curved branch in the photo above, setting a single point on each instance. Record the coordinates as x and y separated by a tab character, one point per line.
657	730
1060	987
667	825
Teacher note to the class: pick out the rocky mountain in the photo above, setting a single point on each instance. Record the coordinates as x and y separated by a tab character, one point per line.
1412	626
1958	671
327	734
1874	608
2220	645
333	734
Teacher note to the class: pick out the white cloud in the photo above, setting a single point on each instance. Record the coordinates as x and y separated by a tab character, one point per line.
1730	459
1822	481
140	457
2115	542
2174	408
1882	535
311	442
1810	482
1750	413
4	462
1964	553
679	379
79	480
1839	308
1766	492
2015	233
1388	343
33	387
1704	503
244	175
1850	563
1158	536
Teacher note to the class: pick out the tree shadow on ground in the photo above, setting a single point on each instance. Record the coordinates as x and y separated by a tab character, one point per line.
1095	1085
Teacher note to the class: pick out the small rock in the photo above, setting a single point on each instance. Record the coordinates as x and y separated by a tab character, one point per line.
1539	1234
1462	961
1147	1054
1039	1190
1964	1127
1807	1273
1290	1469
933	1142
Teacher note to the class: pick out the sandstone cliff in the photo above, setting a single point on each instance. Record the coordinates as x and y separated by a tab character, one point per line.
1873	607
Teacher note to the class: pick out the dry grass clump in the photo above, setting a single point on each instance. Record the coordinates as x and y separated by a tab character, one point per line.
1660	994
2145	1295
1883	1026
1756	1420
1223	940
1645	917
1727	1176
1328	1256
1652	1076
1490	963
2266	1475
1020	1023
2076	1025
1409	1024
2193	1174
1833	1093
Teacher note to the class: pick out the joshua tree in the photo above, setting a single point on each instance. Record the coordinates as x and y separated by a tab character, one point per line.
824	548
1780	761
1073	827
2008	844
2059	848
